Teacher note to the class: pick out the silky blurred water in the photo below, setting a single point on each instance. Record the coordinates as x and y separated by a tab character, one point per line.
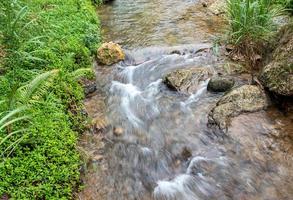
166	151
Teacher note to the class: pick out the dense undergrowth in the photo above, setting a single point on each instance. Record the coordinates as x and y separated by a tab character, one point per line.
44	46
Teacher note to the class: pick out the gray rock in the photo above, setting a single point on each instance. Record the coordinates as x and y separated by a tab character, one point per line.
187	80
220	84
247	98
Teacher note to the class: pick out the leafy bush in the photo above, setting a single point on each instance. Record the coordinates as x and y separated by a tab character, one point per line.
47	35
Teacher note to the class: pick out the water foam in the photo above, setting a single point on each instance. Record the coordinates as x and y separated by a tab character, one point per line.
180	188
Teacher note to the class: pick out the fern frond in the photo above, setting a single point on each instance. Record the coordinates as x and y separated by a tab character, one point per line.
81	72
13	146
11	134
11	121
35	89
7	118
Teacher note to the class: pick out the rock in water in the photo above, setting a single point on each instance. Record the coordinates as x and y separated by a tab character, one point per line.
277	76
187	80
247	98
118	131
110	53
220	84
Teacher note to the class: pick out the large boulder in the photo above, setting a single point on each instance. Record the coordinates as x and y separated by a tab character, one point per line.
187	80
247	98
277	76
110	53
220	84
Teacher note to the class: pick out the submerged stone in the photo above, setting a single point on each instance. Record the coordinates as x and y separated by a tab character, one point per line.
247	98
110	53
118	131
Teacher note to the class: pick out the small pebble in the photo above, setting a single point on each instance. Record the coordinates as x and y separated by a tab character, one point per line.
118	131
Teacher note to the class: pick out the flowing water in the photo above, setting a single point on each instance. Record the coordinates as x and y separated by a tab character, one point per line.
158	145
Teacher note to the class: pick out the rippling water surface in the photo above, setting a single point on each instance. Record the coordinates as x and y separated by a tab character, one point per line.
165	150
140	23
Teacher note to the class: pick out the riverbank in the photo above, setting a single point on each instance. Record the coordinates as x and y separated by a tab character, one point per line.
39	36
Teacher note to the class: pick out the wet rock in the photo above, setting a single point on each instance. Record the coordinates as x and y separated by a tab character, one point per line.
89	86
186	153
247	98
118	131
218	7
277	76
187	80
176	52
110	53
204	4
220	84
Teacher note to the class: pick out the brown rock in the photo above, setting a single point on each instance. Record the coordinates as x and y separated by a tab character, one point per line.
118	131
110	53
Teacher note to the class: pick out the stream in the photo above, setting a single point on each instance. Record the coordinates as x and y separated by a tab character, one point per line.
152	143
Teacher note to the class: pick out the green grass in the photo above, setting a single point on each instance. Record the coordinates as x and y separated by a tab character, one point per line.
287	4
250	19
251	26
38	36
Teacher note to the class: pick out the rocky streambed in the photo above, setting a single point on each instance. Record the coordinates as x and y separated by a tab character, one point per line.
175	120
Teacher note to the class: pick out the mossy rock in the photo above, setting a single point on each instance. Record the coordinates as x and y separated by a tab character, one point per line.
277	76
110	53
247	98
220	84
187	80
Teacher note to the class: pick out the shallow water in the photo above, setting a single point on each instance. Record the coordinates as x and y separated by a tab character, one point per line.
141	23
164	150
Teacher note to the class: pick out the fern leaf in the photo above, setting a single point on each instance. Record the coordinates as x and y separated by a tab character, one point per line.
37	87
81	72
13	146
11	114
11	134
13	121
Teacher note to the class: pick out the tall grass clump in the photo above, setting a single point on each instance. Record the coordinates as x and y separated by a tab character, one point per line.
287	4
251	25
